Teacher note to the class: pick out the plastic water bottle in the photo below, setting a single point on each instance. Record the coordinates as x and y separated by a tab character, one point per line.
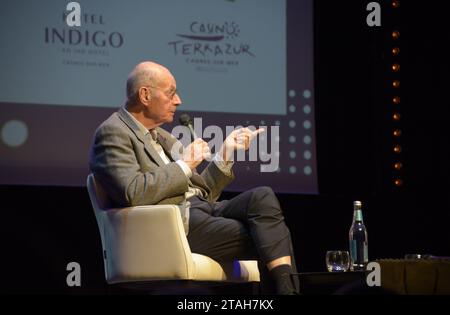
358	240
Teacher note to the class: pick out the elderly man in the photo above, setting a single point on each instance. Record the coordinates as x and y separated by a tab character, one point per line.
132	159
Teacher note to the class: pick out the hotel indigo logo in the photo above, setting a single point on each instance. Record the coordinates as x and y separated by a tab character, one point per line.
84	38
92	36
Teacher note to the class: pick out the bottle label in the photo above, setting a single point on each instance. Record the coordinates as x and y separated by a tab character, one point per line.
358	252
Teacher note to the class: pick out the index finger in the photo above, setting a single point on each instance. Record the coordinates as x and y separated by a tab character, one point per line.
258	131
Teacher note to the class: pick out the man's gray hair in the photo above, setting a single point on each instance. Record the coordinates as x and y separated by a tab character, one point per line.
139	77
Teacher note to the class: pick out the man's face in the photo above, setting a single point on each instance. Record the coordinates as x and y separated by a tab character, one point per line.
164	100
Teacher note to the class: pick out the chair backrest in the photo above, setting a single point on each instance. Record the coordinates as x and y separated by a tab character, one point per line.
99	201
124	234
99	198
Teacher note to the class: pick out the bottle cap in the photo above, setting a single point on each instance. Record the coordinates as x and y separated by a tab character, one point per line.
357	203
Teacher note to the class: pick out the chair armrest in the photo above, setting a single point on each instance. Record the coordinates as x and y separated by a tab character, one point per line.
145	243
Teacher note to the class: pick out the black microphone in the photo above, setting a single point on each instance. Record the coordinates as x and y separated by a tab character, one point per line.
185	120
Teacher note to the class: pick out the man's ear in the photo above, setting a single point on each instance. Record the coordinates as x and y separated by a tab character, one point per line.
144	95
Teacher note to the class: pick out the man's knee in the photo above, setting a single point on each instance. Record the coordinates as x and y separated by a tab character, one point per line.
264	191
264	199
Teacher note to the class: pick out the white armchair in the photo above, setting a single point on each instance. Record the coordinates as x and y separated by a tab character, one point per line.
145	243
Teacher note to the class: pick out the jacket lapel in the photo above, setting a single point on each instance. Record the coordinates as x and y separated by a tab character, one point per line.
137	132
167	142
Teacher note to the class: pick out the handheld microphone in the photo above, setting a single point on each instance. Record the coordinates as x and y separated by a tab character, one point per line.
185	120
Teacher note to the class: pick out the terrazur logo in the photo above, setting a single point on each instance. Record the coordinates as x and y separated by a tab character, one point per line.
211	40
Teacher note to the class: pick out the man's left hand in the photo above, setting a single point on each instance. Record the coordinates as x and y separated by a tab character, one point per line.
238	139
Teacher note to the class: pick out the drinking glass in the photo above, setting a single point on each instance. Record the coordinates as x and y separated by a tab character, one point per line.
338	260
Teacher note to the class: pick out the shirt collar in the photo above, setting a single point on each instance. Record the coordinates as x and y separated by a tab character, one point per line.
141	127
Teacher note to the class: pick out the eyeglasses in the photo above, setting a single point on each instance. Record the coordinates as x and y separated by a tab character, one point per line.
169	95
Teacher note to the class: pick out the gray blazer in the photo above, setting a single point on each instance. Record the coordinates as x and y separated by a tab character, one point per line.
132	173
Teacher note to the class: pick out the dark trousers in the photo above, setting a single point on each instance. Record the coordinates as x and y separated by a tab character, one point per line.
248	226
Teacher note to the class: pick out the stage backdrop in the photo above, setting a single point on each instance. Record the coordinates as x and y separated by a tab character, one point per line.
243	62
